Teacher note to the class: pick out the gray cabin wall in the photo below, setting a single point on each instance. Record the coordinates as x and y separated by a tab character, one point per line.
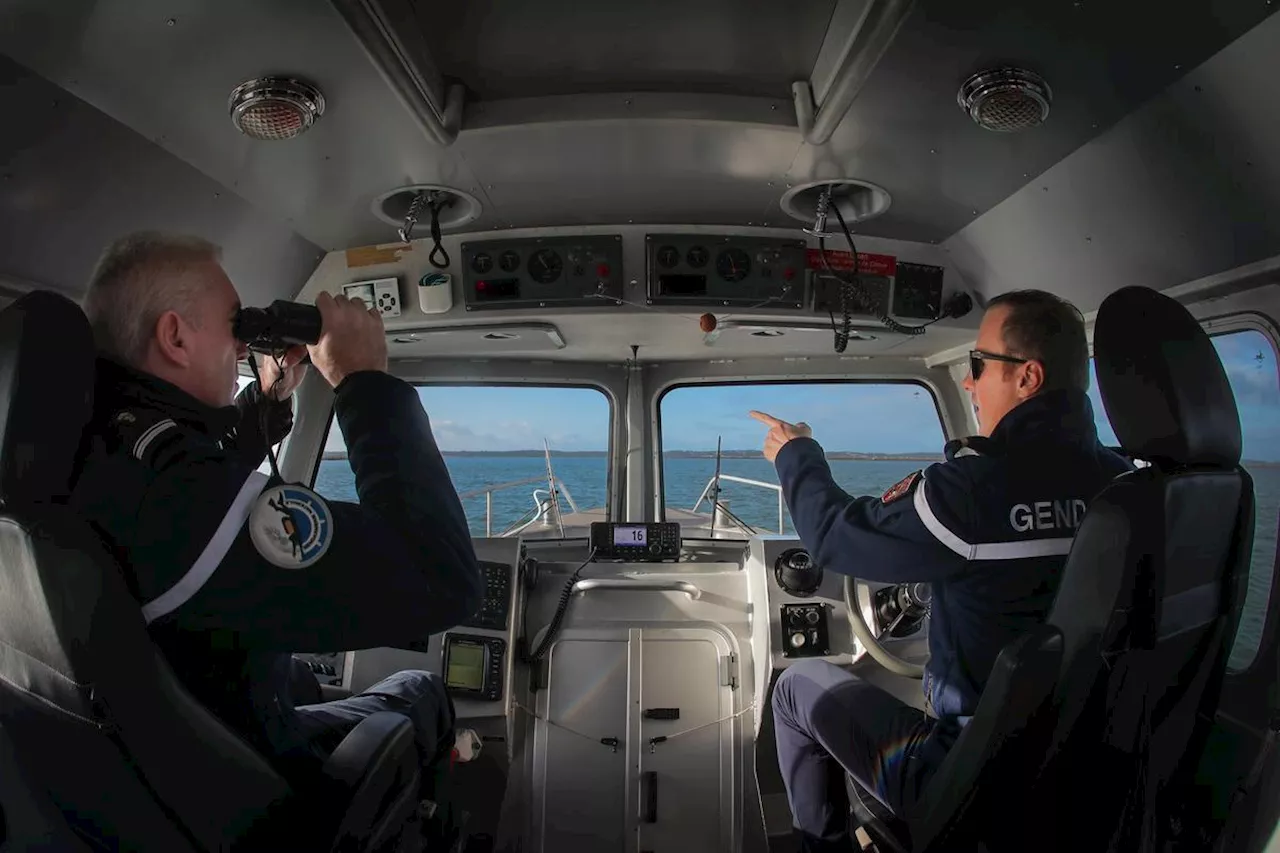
72	179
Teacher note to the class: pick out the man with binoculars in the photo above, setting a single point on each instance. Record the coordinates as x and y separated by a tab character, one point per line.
234	571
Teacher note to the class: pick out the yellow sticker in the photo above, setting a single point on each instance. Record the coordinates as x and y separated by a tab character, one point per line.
372	256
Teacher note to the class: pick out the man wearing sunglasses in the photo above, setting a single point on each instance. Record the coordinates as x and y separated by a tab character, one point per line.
989	528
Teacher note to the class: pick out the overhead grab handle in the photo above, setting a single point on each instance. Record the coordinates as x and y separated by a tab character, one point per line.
625	585
859	54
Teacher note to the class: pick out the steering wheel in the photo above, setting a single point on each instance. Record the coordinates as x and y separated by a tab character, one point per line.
918	596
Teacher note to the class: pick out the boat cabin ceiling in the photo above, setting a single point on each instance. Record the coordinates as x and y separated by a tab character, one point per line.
1154	165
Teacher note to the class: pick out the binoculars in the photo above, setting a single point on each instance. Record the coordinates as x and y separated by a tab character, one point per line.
280	325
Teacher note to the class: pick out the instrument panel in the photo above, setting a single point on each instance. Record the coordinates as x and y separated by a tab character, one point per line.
702	269
542	272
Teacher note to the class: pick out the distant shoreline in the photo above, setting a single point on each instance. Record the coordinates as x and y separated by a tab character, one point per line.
673	454
840	455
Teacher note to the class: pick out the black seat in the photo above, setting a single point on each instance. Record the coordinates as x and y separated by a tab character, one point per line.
1151	594
1145	613
95	716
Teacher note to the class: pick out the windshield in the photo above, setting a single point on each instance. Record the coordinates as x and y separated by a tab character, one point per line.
874	434
498	442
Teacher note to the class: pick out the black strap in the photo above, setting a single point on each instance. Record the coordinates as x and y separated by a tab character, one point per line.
442	262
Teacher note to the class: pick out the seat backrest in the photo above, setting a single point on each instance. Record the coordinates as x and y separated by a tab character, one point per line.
94	713
1000	745
1150	593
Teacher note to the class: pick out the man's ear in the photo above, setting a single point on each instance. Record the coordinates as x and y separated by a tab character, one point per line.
1032	379
171	340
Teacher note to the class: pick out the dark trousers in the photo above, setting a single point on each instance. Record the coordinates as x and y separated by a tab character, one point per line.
829	722
420	696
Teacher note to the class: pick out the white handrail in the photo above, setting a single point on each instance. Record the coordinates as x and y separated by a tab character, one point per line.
745	481
488	491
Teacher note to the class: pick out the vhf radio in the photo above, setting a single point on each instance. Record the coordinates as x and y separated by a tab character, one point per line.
643	542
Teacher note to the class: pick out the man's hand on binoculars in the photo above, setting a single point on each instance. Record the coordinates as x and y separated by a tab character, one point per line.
352	339
281	375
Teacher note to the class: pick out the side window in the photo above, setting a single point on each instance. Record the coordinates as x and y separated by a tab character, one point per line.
498	442
1106	434
1250	362
873	434
1251	368
265	467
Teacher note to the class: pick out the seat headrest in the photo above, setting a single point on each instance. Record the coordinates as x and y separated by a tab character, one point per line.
46	395
1162	383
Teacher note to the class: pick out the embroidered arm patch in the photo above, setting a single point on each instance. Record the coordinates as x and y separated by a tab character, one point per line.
901	488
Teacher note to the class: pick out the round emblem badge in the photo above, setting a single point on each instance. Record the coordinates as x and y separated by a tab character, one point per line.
291	526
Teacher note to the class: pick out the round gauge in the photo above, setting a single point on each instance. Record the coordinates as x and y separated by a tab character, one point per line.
509	260
545	266
482	262
697	257
668	257
733	264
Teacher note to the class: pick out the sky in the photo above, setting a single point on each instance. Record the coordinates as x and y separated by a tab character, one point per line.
871	418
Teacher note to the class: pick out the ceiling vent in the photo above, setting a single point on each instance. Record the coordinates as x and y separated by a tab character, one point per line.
275	107
857	200
456	207
1006	100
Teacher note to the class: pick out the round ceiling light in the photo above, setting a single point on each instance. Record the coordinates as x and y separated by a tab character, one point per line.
275	107
1006	100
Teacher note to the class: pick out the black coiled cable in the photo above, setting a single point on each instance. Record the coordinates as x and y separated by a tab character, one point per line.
852	291
562	607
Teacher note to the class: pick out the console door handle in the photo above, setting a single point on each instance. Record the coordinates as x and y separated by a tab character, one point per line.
649	796
625	585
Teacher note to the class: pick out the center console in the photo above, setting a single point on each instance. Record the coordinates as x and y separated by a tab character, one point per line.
475	658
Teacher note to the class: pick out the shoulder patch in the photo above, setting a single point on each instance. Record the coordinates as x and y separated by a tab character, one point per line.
151	439
148	437
291	526
902	487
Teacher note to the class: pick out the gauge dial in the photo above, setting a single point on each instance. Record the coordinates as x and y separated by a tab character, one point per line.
668	257
545	266
482	262
697	257
733	264
509	260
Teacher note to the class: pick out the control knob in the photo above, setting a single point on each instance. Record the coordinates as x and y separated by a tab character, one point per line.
798	639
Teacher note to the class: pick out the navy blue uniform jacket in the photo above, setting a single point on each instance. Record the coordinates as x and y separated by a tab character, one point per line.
170	483
990	528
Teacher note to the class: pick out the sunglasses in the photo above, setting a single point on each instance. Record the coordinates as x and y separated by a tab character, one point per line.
978	361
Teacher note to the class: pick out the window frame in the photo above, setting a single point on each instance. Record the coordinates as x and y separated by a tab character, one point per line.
659	497
612	500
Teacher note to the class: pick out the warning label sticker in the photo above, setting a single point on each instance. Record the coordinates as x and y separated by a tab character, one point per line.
867	263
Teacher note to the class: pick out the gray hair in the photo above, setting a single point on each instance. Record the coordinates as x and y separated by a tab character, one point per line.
138	278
